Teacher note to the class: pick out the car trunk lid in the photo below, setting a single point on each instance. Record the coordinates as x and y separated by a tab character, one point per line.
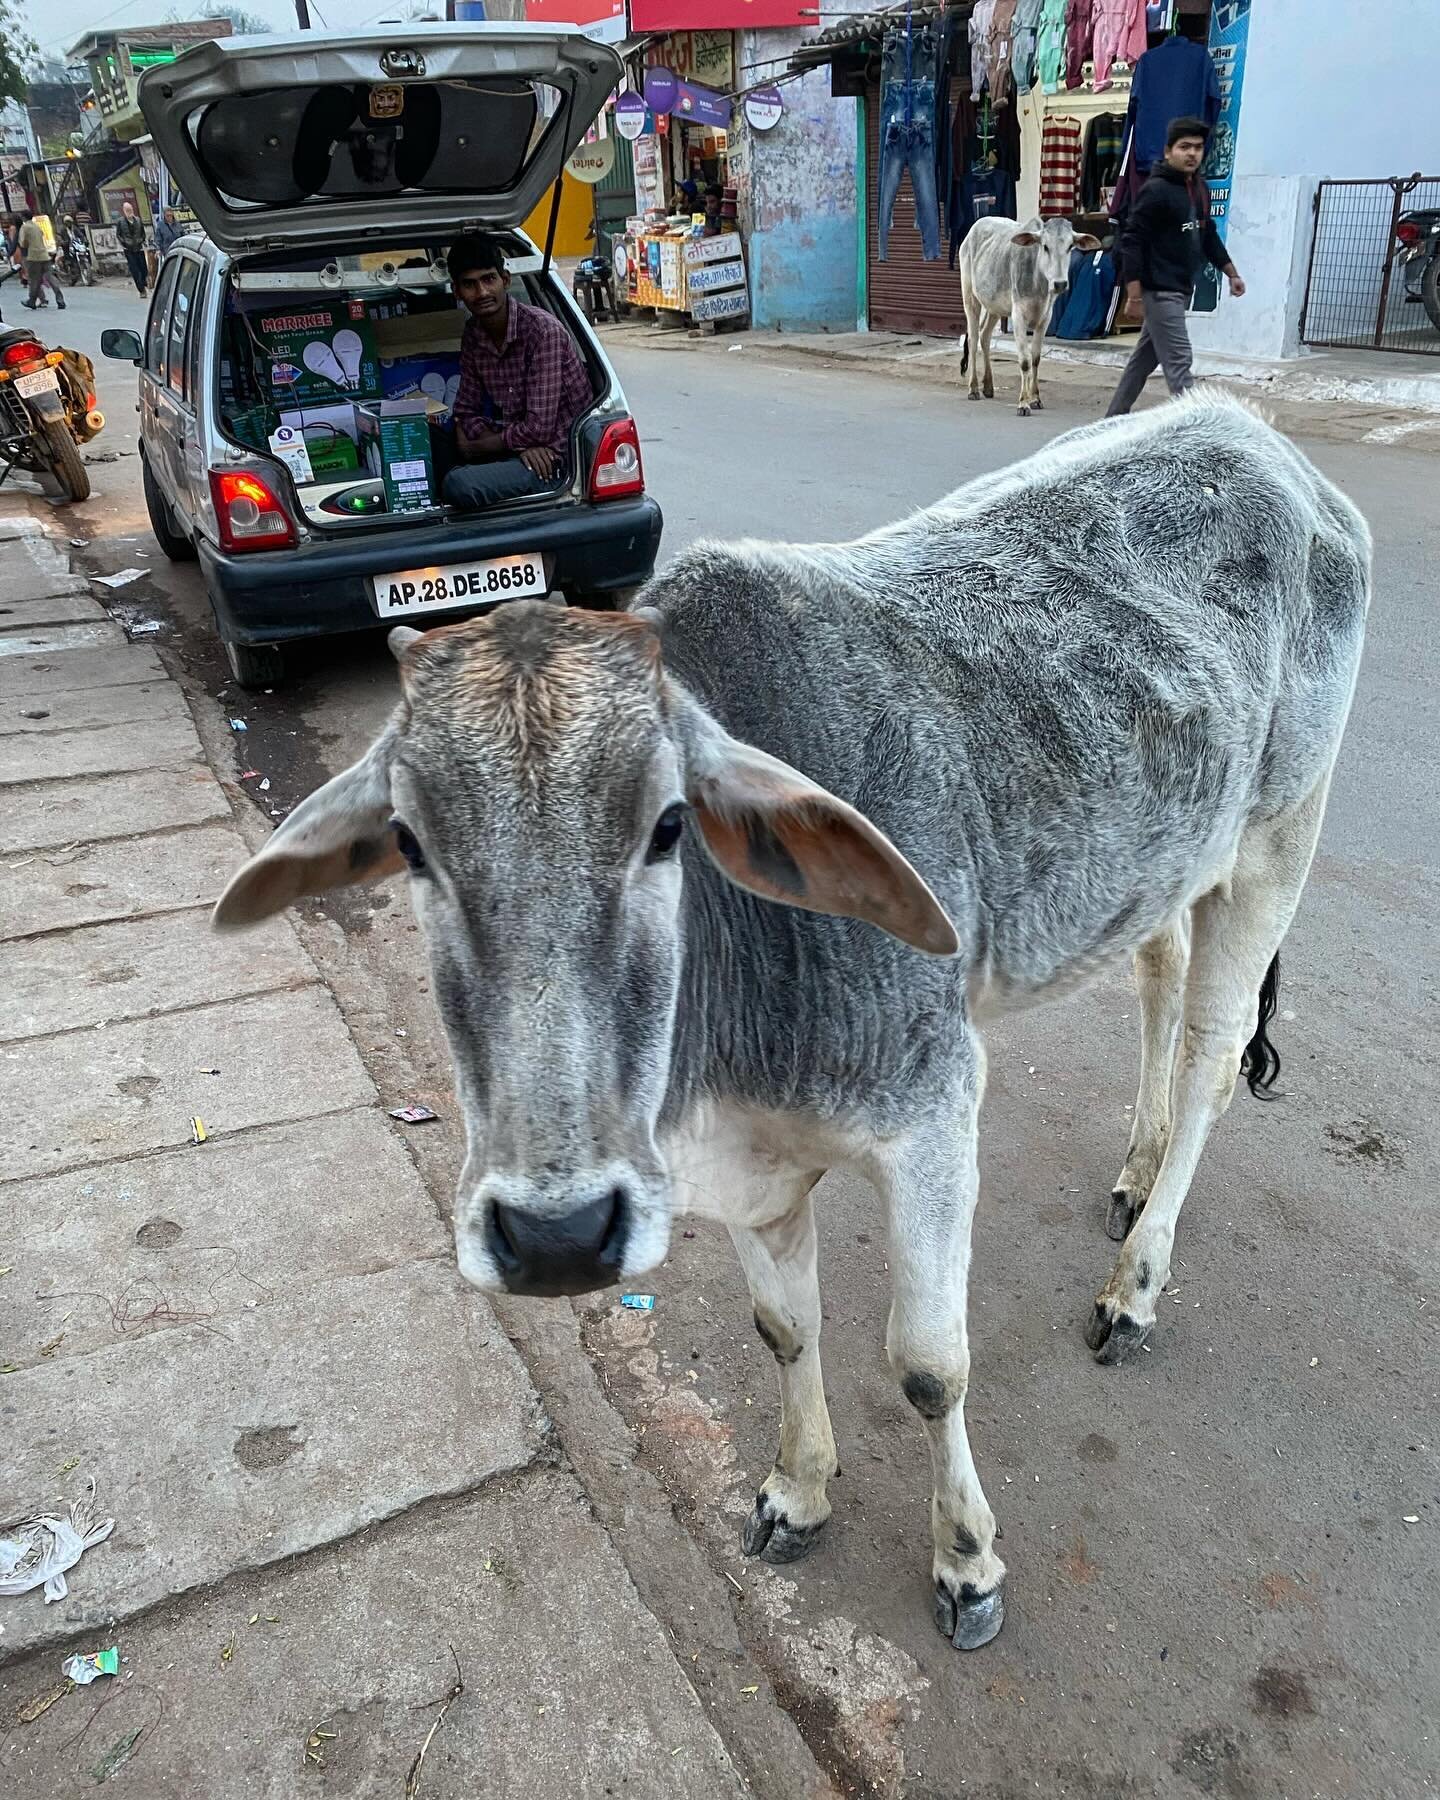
297	140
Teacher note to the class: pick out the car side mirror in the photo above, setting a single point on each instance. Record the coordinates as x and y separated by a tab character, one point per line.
124	346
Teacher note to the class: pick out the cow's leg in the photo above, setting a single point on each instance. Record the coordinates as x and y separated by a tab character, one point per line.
974	313
1025	351
987	331
1037	344
930	1179
1160	968
779	1263
1235	936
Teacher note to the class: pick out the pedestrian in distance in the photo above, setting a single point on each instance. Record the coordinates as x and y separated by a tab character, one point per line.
130	234
1167	238
35	254
167	231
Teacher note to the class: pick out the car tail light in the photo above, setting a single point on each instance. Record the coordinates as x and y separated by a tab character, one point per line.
617	472
1408	232
248	512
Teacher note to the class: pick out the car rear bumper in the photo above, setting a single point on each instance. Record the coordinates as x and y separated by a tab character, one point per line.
323	587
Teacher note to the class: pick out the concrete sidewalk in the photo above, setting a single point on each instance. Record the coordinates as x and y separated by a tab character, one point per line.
327	1466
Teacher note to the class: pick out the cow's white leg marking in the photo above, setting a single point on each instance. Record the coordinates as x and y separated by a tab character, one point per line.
1235	931
779	1261
1160	966
930	1178
1027	350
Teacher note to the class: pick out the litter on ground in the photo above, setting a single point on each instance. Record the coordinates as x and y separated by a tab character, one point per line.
412	1115
39	1550
121	578
638	1302
90	1666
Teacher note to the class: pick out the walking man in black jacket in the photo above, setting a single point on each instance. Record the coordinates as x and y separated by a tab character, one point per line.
1167	237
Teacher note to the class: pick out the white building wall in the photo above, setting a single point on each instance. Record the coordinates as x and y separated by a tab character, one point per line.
1333	90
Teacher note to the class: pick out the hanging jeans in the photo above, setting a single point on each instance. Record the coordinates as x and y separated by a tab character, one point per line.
907	140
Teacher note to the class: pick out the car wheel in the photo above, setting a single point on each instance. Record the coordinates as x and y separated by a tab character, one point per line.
256	665
174	543
586	601
1430	290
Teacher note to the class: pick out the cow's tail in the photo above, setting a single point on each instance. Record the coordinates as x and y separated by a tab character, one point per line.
965	350
1260	1063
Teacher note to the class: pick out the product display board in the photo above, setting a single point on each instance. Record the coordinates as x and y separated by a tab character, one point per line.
319	353
675	271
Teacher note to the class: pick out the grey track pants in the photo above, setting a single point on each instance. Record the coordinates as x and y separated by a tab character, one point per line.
1164	342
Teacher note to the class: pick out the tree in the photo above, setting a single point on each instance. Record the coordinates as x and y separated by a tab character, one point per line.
247	24
18	52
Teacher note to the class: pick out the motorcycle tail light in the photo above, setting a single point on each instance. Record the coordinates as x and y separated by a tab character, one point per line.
20	358
248	512
1408	232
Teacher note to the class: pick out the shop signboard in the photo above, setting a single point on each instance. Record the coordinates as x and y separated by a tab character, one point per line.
719	15
631	113
713	249
591	163
1229	34
603	20
734	305
763	107
702	106
704	56
710	278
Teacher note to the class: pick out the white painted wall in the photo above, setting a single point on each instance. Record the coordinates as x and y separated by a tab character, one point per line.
1334	89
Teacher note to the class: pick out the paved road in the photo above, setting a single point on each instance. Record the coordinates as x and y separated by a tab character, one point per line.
1214	1586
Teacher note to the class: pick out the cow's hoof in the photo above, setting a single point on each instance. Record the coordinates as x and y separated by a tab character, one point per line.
770	1535
974	394
1124	1210
1037	404
1113	1335
1022	412
989	393
972	1619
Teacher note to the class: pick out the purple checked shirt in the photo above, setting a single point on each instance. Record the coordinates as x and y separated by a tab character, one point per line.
531	390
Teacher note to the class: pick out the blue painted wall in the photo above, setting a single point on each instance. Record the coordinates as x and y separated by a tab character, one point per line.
797	196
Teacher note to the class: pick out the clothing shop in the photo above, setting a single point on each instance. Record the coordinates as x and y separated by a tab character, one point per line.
1019	108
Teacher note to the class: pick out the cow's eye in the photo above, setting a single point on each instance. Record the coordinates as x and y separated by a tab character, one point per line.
666	834
408	846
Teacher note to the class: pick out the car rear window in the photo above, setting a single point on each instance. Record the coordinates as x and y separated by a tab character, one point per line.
360	142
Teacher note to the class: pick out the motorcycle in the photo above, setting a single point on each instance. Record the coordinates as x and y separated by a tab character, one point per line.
1419	233
47	410
74	264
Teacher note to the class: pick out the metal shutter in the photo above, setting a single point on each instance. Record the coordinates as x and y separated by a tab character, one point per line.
906	293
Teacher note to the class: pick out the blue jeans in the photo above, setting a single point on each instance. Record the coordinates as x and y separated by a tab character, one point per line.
907	140
480	484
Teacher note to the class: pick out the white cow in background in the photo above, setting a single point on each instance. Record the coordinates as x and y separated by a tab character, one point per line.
1015	273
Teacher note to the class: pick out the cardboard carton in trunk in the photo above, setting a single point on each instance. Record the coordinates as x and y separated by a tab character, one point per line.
395	442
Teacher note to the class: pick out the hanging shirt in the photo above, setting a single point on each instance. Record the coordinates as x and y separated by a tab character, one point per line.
1104	146
1176	80
980	20
1050	46
1119	36
998	50
1059	167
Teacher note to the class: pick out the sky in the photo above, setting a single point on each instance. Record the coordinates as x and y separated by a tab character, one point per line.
57	24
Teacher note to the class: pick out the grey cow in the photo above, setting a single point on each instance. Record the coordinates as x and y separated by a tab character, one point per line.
1083	709
1016	273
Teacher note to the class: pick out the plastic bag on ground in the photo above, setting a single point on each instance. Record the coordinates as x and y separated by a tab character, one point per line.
39	1550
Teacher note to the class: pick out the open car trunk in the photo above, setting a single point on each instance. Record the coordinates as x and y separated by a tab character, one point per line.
317	138
345	368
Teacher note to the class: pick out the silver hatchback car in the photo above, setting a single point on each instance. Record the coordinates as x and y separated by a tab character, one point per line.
306	348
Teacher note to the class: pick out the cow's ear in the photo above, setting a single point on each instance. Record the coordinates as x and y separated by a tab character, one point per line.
782	836
341	834
1087	241
1024	238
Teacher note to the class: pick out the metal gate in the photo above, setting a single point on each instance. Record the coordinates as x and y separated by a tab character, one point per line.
1359	294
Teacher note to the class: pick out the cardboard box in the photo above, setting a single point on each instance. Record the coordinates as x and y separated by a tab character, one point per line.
331	436
433	378
317	352
395	443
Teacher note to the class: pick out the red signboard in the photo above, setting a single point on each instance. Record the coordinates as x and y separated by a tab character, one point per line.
607	15
720	15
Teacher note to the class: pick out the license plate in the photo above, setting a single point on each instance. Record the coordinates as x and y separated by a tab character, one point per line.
458	584
43	381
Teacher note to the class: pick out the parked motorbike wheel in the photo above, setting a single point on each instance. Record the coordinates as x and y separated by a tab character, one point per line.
1430	290
62	454
63	269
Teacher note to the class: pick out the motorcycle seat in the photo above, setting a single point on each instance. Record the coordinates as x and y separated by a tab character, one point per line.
16	334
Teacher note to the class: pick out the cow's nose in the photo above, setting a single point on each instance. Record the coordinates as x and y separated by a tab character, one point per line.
559	1253
1058	287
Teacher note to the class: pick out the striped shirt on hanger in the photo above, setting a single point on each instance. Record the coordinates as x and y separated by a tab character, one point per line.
1059	166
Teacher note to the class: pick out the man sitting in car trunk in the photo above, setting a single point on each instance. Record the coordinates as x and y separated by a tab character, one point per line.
523	384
